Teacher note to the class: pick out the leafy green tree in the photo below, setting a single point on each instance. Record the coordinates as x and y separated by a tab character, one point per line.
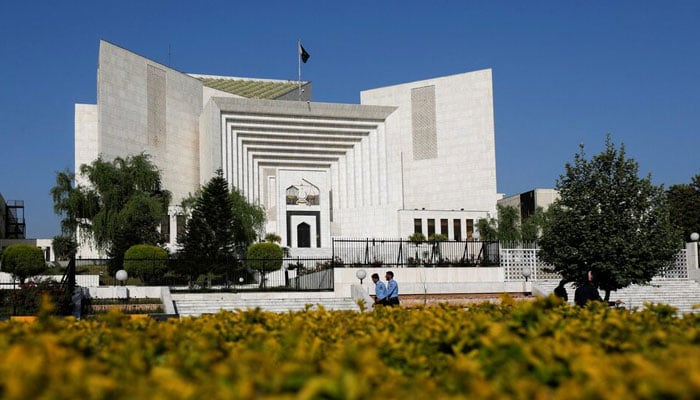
121	205
532	227
147	262
508	224
264	257
23	261
684	203
609	221
64	247
249	219
488	229
505	228
209	241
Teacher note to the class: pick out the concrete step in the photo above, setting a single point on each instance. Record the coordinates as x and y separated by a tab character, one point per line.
681	294
197	307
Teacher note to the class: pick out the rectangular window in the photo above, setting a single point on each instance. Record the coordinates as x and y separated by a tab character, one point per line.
417	225
181	221
470	229
165	229
458	229
431	227
444	227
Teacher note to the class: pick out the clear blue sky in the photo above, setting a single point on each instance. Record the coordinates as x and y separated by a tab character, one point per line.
565	72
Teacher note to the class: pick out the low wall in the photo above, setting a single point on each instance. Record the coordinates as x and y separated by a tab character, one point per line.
455	280
135	292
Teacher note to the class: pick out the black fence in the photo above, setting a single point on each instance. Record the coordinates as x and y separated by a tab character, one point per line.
405	253
26	298
297	274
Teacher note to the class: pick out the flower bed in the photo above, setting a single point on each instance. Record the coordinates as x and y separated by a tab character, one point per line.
515	349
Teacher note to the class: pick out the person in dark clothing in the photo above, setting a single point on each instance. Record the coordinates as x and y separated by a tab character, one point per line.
589	292
560	291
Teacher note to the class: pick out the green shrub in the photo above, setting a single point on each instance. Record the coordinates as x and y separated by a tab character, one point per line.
23	261
273	237
438	237
417	238
147	262
265	256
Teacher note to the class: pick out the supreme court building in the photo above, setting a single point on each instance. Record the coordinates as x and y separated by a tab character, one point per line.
417	156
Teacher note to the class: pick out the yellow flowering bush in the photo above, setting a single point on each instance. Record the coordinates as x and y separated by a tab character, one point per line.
541	349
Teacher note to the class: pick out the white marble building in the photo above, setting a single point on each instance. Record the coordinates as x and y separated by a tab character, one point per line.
418	156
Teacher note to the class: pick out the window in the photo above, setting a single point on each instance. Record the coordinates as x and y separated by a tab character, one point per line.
470	229
457	229
417	225
444	229
165	229
181	222
431	227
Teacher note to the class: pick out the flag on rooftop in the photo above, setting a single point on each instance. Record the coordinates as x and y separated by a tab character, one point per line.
303	53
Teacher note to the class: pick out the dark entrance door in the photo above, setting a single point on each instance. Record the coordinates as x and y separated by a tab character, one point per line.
303	235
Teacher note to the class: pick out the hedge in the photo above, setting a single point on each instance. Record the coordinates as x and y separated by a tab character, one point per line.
540	349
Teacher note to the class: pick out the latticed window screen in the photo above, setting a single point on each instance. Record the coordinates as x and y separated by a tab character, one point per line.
423	123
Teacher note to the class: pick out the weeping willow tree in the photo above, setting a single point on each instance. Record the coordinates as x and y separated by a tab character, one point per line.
120	205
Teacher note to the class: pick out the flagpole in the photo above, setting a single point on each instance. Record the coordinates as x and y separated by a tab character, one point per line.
299	59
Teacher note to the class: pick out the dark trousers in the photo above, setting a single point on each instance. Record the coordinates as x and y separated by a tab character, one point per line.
393	301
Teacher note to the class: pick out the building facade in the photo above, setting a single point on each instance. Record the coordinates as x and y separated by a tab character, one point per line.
408	157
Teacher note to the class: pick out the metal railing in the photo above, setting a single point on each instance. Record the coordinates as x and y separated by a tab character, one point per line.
405	253
287	274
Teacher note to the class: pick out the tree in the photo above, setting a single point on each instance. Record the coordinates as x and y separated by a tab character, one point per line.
23	261
531	228
684	203
209	241
264	257
506	228
64	247
609	221
147	262
121	205
508	224
249	219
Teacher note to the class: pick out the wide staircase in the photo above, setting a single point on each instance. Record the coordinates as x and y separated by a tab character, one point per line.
681	294
190	307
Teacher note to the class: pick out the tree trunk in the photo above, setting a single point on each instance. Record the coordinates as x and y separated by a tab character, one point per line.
607	295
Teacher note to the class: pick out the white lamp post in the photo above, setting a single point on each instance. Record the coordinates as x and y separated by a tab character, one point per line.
122	276
361	274
121	291
694	237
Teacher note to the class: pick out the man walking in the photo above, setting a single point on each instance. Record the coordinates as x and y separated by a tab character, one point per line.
379	291
392	289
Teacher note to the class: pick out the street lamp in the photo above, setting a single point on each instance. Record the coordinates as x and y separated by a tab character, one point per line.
694	237
121	276
527	272
361	274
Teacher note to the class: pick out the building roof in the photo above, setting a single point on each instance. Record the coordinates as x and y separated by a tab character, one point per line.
249	88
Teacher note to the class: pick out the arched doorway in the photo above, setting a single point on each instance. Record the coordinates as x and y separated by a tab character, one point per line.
303	235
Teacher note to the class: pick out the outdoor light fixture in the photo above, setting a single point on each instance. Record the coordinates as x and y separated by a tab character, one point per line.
475	236
361	274
694	236
527	273
121	276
